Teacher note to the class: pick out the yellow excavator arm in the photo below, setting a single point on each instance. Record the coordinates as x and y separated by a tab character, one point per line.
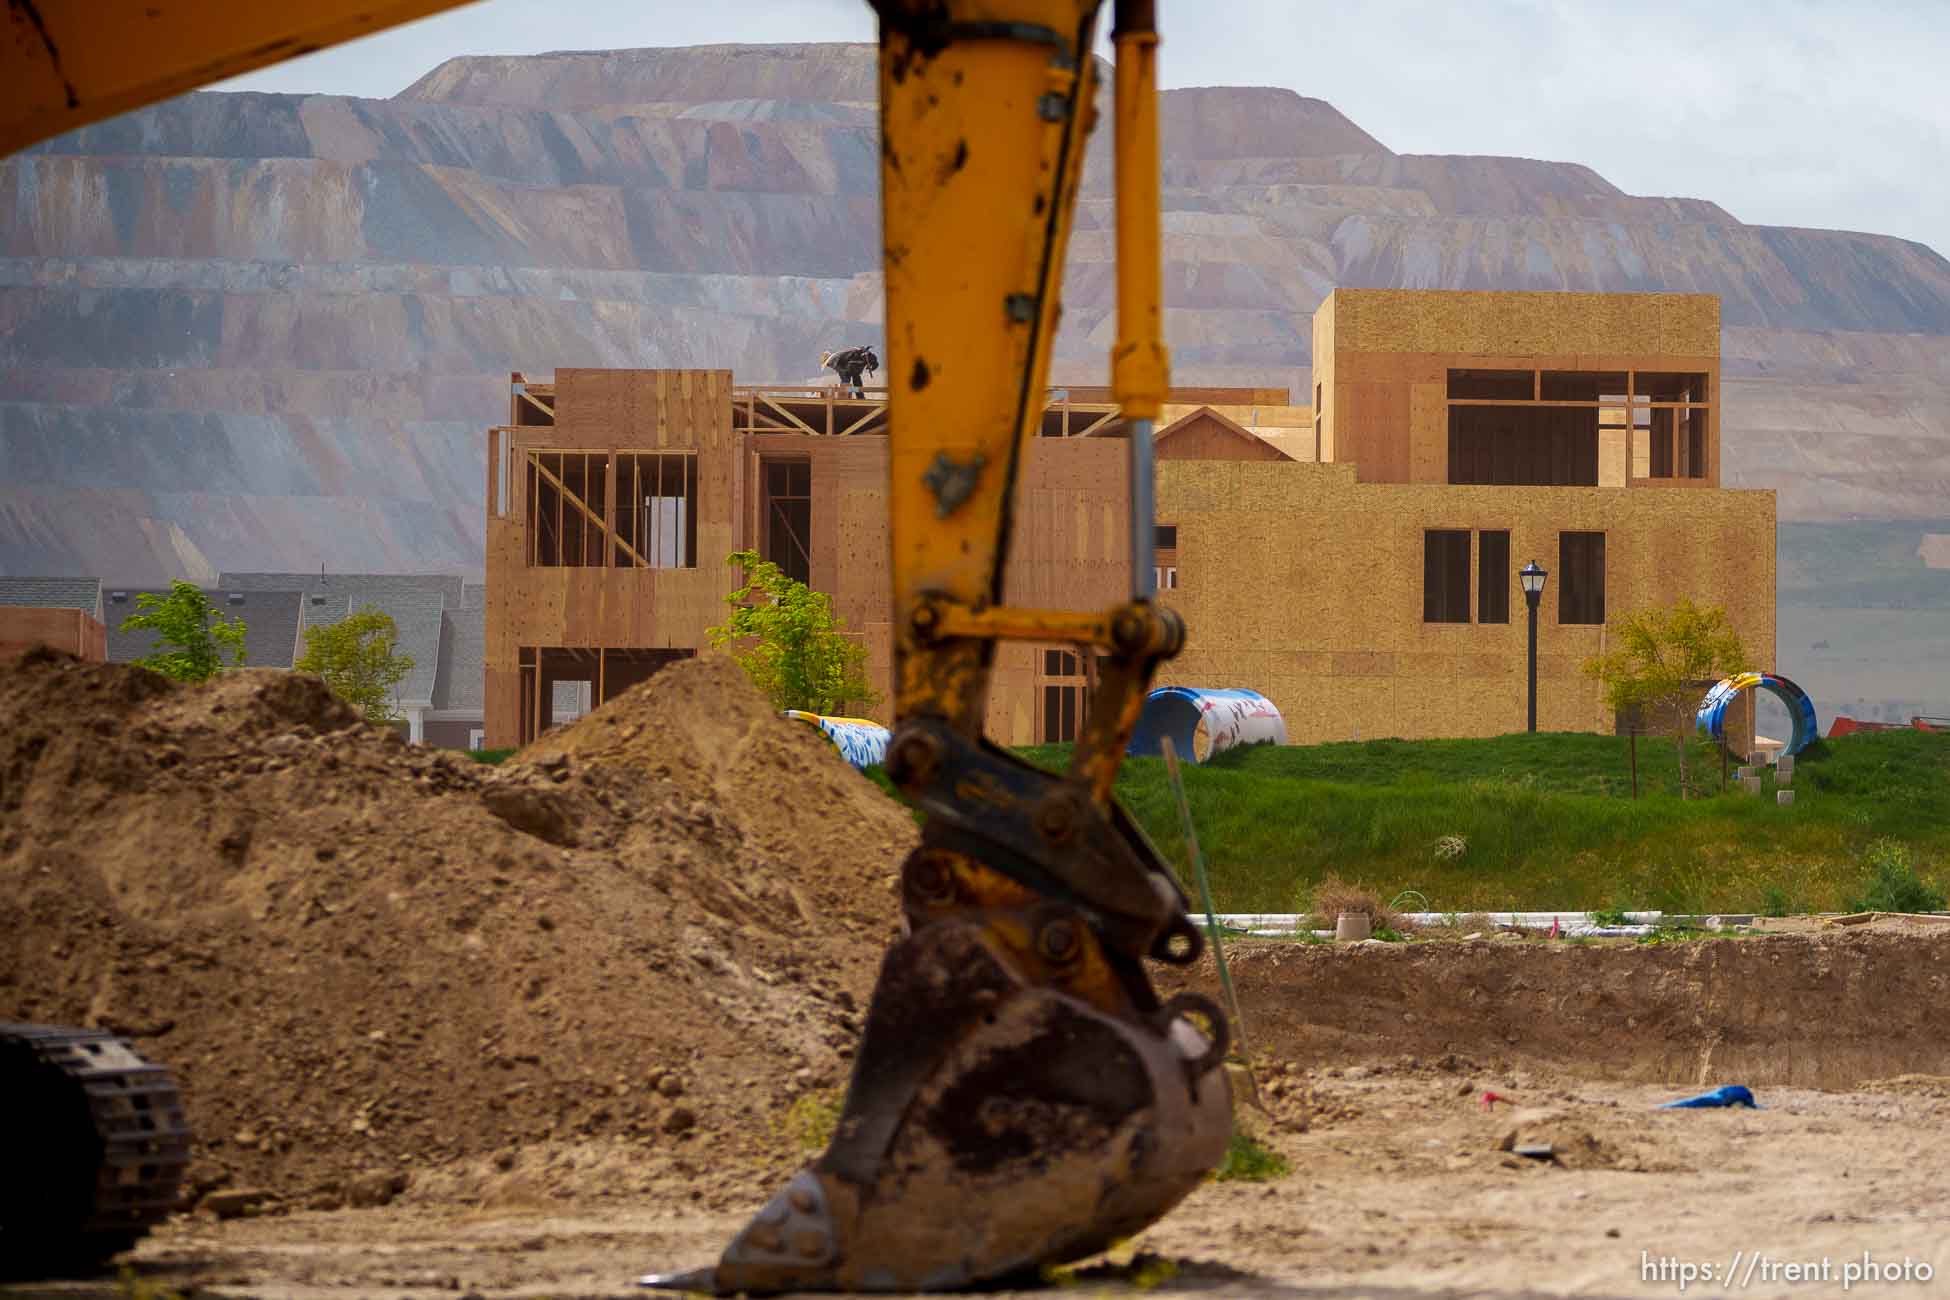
71	62
1020	1096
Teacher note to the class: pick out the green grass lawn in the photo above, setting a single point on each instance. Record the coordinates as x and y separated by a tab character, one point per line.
1547	821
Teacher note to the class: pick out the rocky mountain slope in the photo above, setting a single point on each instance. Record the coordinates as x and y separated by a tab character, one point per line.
259	331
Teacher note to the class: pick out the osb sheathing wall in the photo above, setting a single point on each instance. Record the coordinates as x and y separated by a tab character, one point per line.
1384	356
1071	548
1522	323
23	627
587	608
1302	583
1207	435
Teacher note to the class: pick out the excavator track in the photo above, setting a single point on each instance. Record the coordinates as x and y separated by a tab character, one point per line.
100	1145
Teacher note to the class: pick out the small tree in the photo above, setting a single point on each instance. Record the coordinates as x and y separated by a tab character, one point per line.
192	635
357	659
789	642
1662	656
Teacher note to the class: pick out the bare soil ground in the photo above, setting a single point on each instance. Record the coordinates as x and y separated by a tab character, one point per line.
1401	1183
1398	1189
548	1024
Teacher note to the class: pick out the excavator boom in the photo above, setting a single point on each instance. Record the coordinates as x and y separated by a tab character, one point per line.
1020	1097
71	62
99	1125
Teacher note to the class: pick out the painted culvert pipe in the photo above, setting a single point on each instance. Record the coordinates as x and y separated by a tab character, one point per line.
861	741
1713	709
1205	721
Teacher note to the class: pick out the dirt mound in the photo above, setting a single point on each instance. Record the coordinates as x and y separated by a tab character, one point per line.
1826	1010
752	767
1582	1138
611	961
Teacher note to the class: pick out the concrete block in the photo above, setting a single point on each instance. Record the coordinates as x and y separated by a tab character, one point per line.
1785	798
1751	785
1784	766
1352	927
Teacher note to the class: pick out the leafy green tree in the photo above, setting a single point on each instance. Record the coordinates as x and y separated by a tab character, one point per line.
789	642
357	658
1661	657
192	635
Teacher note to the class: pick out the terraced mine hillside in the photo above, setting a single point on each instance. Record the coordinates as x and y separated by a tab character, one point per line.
264	331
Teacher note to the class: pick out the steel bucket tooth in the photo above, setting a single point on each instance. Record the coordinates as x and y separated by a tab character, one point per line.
991	1127
698	1279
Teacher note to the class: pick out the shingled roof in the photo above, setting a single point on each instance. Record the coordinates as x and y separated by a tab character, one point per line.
448	585
416	616
270	624
84	594
463	642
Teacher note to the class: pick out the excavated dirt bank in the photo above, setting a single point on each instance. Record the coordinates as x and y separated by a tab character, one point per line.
1829	1010
606	970
615	960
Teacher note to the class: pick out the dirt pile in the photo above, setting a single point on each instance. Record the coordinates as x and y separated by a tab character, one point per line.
1826	1010
1588	1138
611	961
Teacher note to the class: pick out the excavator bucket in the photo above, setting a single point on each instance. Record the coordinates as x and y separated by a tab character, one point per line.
1020	1097
995	1122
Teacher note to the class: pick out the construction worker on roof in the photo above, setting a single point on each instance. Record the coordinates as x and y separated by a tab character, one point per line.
850	364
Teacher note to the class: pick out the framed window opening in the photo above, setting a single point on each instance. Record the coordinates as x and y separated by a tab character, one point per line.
1533	427
601	673
601	509
1523	445
567	499
1493	575
1445	575
1581	578
1065	696
656	510
1448	557
786	539
1165	556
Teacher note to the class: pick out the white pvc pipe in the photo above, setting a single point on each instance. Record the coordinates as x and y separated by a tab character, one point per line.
1291	921
1571	931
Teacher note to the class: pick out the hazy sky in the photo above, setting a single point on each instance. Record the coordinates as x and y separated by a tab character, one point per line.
1826	113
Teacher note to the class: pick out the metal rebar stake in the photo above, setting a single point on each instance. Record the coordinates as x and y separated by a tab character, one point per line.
1211	916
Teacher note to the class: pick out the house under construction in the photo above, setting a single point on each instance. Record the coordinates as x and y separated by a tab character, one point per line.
1354	558
614	497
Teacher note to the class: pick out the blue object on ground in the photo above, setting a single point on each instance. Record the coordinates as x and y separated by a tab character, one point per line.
861	742
1713	709
1220	718
1731	1095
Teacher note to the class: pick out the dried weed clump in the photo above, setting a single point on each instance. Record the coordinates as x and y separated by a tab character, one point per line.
1332	896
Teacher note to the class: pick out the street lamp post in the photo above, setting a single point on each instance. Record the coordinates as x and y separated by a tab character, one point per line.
1533	577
